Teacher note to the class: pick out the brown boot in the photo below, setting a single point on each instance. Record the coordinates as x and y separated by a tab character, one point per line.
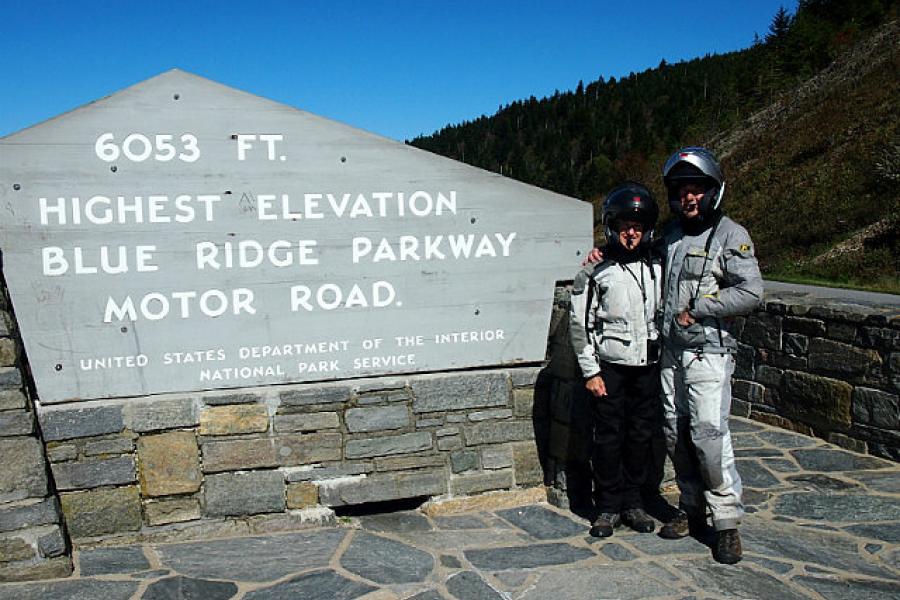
678	527
728	547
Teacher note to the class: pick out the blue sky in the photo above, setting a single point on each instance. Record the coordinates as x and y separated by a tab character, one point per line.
397	68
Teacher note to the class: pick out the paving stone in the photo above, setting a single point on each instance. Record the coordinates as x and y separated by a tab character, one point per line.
151	574
169	463
23	474
102	511
76	589
743	426
324	394
385	561
526	557
427	595
43	512
781	465
881	481
772	565
873	548
68	423
758	452
754	498
108	561
807	546
838	508
746	440
383	446
163	414
542	523
248	493
234	419
319	585
450	562
821	483
459	522
256	559
396	522
617	581
435	393
187	588
377	418
886	532
469	585
307	421
736	581
94	473
617	552
656	546
853	589
753	474
783	439
826	459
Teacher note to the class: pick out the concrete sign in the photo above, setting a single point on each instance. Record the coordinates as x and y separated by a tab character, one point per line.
182	235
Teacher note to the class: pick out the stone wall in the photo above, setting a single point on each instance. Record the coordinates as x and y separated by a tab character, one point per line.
266	457
33	543
824	368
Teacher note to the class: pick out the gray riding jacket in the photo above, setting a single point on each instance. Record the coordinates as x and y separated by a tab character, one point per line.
724	283
613	322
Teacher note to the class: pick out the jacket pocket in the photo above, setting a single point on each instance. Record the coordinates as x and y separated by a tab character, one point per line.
691	336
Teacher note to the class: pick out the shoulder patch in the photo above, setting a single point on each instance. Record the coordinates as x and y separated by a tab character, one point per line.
745	247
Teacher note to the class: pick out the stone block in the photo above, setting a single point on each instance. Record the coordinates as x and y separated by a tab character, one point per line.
445	431
451	442
169	463
172	510
796	344
832	357
31	514
845	441
94	473
10	378
881	338
770	376
23	474
52	543
102	511
463	460
487	415
11	399
783	360
163	414
406	463
74	422
238	494
302	495
456	417
842	332
527	464
433	422
14	549
234	419
458	391
307	421
497	432
9	352
377	418
281	450
335	471
16	422
379	384
740	408
383	446
238	398
840	311
524	376
523	402
762	330
61	452
802	325
475	483
381	487
748	391
54	568
745	361
815	400
876	408
323	394
119	445
497	457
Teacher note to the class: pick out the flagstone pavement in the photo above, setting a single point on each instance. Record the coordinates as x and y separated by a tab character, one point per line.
822	522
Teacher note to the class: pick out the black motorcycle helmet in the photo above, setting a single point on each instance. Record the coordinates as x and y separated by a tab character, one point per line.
629	201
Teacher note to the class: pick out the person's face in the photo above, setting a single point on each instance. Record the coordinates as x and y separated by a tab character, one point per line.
630	234
690	195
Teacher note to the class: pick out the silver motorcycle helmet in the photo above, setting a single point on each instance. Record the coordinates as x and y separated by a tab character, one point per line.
695	164
629	201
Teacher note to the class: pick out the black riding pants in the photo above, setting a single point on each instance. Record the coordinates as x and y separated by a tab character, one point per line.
624	423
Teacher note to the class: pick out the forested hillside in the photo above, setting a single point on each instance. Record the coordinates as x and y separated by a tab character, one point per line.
805	121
